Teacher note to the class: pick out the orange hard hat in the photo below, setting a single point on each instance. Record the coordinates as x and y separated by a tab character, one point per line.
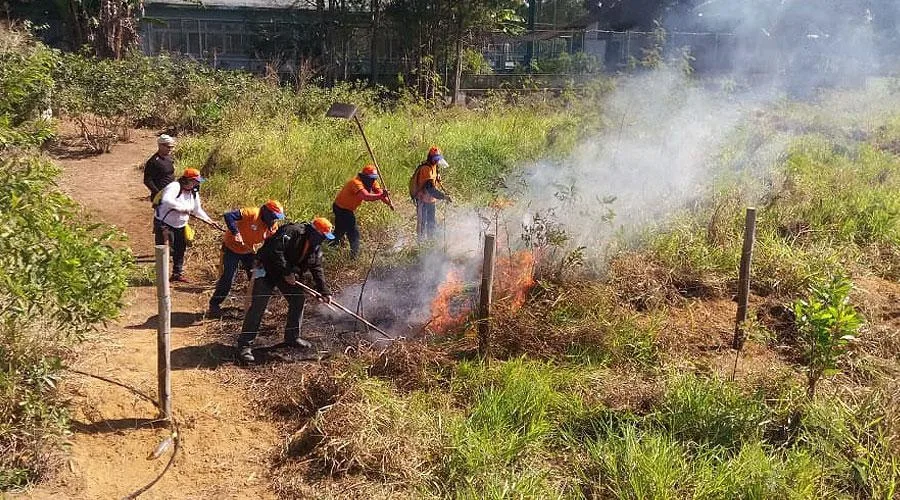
275	207
370	171
192	173
434	151
323	226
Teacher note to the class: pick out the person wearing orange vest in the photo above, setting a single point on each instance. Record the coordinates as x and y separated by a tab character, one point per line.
363	187
425	189
247	228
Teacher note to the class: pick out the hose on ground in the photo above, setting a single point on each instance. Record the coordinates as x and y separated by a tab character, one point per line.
176	434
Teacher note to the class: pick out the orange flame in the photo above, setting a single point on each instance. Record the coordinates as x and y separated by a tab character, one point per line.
513	279
444	313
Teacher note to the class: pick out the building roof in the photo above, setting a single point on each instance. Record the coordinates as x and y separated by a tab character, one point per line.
236	4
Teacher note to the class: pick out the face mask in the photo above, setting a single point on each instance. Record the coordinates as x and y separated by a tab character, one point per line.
315	237
368	182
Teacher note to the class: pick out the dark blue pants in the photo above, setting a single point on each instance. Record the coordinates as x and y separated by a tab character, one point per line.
262	290
345	224
230	263
426	222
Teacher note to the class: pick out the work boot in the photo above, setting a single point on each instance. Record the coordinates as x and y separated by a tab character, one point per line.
179	278
246	354
297	343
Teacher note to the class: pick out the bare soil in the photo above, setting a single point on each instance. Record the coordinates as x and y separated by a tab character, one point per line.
224	441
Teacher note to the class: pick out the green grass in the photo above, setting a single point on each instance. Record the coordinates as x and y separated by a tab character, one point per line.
305	163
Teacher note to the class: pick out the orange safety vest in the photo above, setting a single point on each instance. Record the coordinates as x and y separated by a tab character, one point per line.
253	231
424	173
348	197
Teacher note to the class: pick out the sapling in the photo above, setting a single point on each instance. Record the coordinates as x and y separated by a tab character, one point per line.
827	324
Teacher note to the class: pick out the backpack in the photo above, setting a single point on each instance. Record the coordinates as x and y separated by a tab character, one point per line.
413	181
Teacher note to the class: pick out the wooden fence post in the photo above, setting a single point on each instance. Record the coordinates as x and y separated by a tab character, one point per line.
743	296
163	331
484	304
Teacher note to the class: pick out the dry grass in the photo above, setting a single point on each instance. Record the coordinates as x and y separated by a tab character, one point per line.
409	365
646	285
347	432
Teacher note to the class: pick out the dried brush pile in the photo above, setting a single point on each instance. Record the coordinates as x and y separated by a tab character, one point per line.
343	424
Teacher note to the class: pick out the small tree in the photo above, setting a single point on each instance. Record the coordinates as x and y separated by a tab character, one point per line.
827	324
471	18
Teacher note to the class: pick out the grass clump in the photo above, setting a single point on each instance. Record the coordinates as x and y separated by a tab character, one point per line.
578	321
710	413
633	464
494	449
856	438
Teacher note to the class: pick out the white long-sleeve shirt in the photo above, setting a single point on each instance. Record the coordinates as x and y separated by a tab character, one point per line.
177	205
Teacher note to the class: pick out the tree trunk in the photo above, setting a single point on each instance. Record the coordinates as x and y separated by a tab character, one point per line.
457	70
373	47
529	46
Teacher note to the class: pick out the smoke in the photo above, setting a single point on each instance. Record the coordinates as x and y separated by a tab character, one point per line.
799	46
399	299
667	136
656	153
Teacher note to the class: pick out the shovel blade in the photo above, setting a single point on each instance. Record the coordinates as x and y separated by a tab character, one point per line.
341	110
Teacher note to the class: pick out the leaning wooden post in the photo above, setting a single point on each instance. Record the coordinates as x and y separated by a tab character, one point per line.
484	304
163	331
743	296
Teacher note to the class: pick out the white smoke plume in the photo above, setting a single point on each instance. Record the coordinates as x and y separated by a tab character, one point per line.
660	147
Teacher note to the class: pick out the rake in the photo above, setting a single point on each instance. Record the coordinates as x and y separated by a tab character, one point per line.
348	111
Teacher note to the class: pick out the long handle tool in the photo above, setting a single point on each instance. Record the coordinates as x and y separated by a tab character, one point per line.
348	111
348	311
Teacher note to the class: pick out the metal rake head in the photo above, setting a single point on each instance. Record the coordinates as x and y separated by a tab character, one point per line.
341	110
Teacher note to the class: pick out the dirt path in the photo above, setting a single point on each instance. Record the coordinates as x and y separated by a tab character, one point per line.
224	445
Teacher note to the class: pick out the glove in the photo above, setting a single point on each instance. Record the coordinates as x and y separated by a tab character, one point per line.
238	238
325	299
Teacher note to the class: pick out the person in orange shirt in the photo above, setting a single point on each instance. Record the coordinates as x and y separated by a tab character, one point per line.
425	189
247	228
361	188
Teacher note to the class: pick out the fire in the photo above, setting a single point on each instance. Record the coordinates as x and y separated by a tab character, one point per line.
446	312
514	278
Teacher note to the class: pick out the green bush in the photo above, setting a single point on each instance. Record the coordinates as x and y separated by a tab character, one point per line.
25	89
827	324
60	277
